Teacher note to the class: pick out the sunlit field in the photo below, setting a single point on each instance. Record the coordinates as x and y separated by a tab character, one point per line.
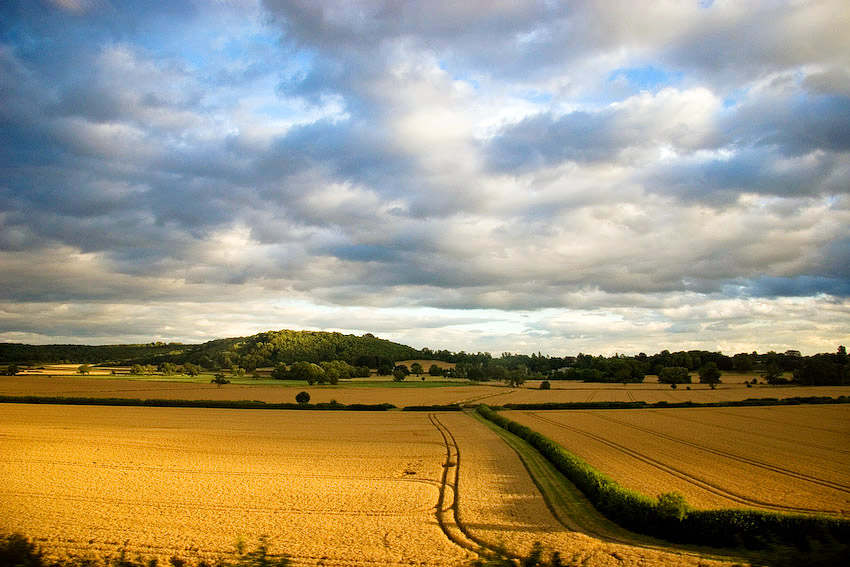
789	459
412	391
332	488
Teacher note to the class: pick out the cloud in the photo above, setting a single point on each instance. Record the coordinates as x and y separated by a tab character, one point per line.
537	172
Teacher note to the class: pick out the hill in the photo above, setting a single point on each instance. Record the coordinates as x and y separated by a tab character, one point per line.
263	349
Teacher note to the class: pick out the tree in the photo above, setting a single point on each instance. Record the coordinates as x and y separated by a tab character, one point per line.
517	377
710	374
167	368
773	374
435	370
416	369
399	374
191	369
219	380
545	385
302	398
280	372
84	369
137	370
12	369
674	375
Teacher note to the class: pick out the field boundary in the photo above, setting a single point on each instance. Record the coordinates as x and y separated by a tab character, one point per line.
749	402
212	404
675	521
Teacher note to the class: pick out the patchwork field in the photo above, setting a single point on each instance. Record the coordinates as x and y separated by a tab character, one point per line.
330	488
408	393
793	459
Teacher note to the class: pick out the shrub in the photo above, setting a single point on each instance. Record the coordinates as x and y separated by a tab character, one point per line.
302	398
19	551
545	385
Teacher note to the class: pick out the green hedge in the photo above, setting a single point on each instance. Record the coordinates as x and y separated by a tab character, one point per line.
751	529
646	405
447	407
230	404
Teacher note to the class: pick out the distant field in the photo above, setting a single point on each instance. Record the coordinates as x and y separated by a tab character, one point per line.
328	488
410	392
563	391
793	459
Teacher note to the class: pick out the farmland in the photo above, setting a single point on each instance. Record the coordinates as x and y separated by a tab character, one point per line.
790	459
326	487
410	392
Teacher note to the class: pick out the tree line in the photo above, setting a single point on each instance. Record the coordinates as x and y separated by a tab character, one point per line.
276	349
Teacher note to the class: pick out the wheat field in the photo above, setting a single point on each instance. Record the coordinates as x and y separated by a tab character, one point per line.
492	393
790	459
329	488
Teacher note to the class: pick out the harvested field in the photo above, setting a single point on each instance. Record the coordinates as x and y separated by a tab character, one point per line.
791	459
327	488
397	394
654	392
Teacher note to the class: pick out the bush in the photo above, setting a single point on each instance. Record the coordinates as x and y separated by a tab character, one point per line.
18	551
302	398
545	385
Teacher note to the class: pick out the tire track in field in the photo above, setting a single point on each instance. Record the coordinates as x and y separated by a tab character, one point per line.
761	435
673	471
591	396
734	457
449	485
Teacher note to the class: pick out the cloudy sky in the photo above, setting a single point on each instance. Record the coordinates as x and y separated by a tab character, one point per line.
485	175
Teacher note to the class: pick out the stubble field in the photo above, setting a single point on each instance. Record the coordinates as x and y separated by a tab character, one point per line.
331	488
790	459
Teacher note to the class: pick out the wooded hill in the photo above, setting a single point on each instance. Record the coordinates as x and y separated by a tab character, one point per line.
260	350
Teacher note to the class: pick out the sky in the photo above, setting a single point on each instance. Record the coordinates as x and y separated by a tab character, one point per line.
488	175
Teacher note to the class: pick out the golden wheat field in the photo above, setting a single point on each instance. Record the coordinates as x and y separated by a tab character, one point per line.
330	488
651	391
492	393
792	458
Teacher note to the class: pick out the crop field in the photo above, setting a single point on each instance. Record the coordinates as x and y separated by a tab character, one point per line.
403	394
329	488
410	392
790	459
653	392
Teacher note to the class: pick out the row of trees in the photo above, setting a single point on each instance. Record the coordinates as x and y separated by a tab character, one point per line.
322	373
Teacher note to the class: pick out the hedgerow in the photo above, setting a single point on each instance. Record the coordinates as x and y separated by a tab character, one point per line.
163	403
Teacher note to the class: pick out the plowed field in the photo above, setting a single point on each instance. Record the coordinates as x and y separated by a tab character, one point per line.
794	459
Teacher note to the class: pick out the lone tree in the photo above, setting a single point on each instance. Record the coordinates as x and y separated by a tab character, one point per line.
302	398
710	374
674	375
84	369
12	369
219	379
416	369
